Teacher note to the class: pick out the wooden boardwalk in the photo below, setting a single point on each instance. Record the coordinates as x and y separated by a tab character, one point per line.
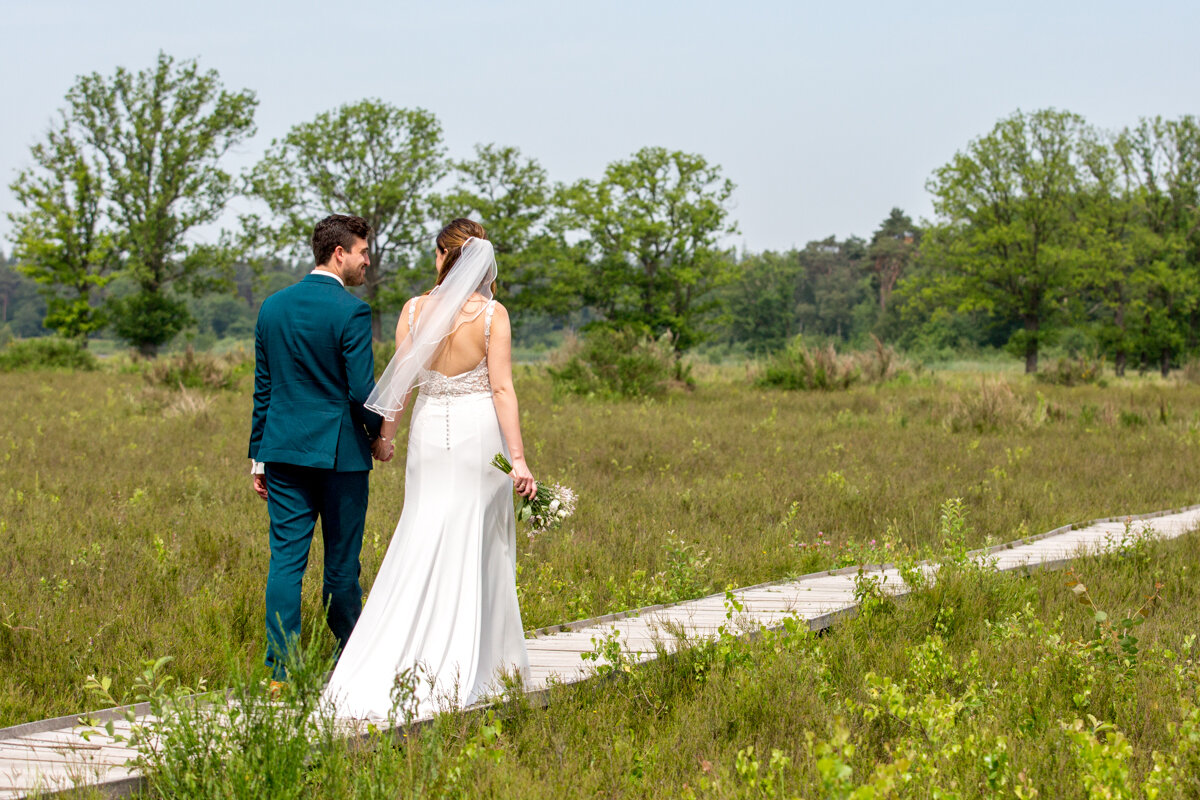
53	755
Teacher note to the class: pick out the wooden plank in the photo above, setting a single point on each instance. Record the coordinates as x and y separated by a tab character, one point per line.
59	739
50	756
56	776
576	646
543	657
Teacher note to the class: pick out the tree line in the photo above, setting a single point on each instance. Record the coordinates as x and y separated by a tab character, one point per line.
1047	231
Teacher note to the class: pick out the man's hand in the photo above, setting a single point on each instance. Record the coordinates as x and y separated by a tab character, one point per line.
383	450
260	485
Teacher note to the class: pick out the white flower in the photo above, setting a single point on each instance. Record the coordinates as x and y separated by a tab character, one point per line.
562	514
554	506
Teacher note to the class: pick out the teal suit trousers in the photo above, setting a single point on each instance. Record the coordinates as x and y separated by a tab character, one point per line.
296	498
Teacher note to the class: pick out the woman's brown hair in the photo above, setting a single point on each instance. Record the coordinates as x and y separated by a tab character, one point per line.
451	240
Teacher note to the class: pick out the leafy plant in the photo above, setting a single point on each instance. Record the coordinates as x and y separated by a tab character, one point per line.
1076	371
46	353
1112	643
193	370
615	362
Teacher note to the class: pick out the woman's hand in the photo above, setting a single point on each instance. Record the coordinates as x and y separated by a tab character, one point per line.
383	450
522	478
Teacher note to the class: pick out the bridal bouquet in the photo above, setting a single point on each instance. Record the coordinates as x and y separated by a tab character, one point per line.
549	507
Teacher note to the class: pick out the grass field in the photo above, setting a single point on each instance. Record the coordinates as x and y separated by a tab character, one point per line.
978	684
981	685
131	531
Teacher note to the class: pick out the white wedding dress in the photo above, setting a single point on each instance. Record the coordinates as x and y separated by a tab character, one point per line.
445	598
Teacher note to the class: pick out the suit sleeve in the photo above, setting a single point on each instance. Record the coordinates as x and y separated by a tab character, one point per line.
360	366
262	389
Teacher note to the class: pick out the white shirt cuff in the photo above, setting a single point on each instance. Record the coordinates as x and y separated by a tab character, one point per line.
257	467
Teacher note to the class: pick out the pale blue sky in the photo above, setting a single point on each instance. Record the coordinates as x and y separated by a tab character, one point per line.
825	115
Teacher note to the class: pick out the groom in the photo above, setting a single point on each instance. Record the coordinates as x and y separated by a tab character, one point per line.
311	439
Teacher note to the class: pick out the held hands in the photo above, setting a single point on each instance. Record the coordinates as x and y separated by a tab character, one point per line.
522	478
383	450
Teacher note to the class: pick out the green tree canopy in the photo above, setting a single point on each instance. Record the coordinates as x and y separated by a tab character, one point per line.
762	299
1007	224
832	286
1162	160
160	136
369	159
63	239
513	199
652	229
892	249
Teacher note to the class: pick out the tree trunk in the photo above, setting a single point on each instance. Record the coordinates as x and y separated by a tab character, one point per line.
371	285
148	350
889	275
1119	365
1165	364
1031	346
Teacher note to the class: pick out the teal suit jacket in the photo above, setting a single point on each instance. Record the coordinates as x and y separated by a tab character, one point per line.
313	371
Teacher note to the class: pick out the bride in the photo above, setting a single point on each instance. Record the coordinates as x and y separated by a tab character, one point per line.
445	600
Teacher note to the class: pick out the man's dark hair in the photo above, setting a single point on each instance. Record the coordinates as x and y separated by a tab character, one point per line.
337	230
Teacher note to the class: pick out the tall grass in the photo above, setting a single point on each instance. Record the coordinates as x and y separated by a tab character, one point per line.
979	684
131	531
800	366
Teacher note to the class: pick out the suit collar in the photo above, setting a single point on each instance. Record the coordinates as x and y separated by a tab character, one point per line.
323	277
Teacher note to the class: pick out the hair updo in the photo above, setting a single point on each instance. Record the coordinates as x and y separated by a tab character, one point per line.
451	240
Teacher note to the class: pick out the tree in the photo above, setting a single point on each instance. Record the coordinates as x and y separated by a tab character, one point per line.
652	228
762	299
10	283
62	239
831	286
1110	234
892	249
512	198
1007	227
1163	159
160	135
369	159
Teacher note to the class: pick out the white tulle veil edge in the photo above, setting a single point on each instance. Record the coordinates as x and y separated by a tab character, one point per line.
441	314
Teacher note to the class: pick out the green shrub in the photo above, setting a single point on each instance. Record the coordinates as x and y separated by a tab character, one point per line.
192	370
798	366
1131	419
49	352
148	321
613	362
1073	371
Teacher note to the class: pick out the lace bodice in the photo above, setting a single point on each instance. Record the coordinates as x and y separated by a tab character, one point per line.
473	382
435	384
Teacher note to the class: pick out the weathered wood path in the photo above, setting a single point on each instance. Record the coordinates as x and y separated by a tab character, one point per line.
53	755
